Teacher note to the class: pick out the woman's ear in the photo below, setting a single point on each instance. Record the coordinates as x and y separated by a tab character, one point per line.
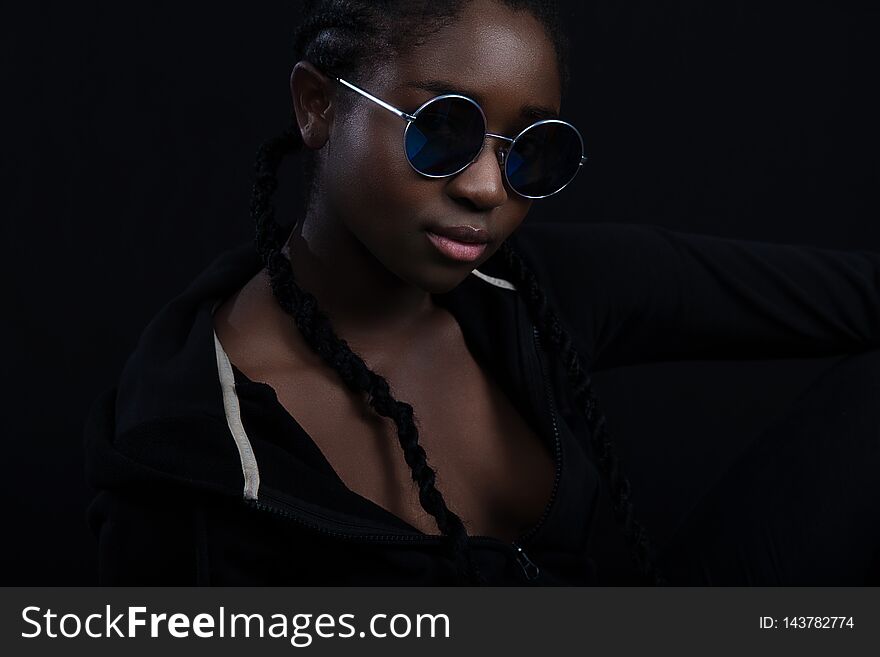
311	92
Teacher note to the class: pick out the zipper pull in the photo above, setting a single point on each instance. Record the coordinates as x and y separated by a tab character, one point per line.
529	567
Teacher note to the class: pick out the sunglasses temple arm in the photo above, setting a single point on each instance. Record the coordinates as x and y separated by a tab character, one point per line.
378	101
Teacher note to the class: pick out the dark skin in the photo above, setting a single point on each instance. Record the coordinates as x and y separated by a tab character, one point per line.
363	252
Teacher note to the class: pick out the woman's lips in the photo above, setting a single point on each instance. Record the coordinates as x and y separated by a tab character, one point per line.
462	251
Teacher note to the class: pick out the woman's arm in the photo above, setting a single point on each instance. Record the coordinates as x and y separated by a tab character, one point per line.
635	293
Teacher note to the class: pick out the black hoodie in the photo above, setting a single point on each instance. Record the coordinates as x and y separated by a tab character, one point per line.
204	478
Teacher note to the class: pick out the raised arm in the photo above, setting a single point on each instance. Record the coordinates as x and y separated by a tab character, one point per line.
634	293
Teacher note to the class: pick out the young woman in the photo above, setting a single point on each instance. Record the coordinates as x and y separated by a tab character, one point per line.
397	390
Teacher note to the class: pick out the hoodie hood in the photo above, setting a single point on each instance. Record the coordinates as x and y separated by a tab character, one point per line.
164	422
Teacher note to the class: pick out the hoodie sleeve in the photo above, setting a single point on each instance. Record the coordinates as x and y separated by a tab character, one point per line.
146	536
634	293
145	542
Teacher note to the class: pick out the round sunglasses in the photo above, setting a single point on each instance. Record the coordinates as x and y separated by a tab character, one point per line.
446	134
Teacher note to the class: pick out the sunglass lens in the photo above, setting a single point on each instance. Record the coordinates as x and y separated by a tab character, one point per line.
446	135
544	159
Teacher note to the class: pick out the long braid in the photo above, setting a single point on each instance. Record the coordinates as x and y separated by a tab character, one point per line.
549	326
319	335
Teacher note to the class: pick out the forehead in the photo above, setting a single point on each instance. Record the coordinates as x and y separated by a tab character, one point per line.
496	55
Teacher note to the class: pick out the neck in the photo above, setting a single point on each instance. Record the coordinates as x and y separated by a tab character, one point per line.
364	301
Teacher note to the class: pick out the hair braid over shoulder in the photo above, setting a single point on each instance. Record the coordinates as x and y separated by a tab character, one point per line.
354	372
580	380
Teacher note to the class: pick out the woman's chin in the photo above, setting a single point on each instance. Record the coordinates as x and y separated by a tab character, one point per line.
438	280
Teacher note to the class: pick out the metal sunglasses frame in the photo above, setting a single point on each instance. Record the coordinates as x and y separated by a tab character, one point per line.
410	118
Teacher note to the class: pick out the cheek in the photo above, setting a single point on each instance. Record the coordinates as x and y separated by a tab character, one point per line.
375	189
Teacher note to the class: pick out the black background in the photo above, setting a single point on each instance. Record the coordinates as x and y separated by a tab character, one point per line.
129	134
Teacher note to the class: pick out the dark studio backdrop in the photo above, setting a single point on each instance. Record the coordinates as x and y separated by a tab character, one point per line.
130	131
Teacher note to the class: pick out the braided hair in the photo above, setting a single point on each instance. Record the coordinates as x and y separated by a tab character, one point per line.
342	37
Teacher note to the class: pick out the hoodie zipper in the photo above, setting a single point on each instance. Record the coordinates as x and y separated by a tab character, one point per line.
318	522
530	569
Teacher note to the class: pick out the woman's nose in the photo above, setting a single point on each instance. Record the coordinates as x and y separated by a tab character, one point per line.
482	182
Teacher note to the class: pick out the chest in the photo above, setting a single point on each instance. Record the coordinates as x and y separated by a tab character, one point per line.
491	467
